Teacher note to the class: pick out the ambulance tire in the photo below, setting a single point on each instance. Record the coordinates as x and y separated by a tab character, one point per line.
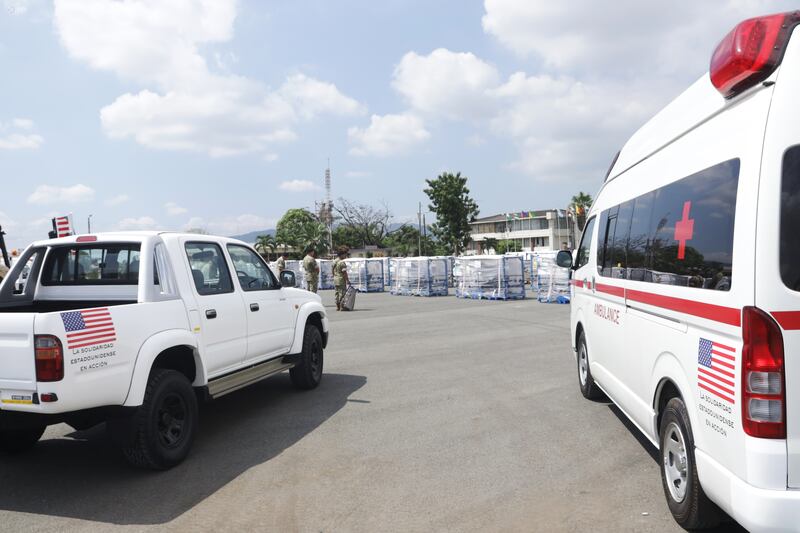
160	434
589	388
20	440
307	374
688	503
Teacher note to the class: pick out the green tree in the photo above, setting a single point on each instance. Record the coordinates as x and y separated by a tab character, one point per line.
347	235
504	246
454	210
405	241
315	236
581	203
266	244
490	243
299	228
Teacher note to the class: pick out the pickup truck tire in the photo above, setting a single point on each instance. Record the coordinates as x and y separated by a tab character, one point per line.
307	373
688	503
162	431
20	440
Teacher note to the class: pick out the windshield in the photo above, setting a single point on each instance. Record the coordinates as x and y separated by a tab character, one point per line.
95	264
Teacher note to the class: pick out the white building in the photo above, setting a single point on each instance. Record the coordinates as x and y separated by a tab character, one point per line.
528	231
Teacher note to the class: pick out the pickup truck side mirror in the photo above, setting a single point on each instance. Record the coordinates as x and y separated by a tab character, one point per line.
564	259
288	279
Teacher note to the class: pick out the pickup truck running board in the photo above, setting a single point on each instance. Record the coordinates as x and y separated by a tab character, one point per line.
242	378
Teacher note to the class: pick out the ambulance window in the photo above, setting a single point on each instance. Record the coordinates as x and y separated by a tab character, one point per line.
586	240
790	219
639	240
693	218
614	263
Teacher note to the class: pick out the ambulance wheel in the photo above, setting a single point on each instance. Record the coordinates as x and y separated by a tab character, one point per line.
589	388
20	440
307	373
160	434
686	499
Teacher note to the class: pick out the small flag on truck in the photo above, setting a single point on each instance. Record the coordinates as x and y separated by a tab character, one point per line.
62	226
88	328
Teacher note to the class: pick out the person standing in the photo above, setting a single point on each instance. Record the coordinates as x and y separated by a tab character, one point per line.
340	279
280	264
3	271
311	268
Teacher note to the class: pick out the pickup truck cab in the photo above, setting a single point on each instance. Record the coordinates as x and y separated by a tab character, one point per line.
133	329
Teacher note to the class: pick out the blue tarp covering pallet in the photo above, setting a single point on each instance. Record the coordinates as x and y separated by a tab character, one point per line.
420	276
490	277
366	275
325	273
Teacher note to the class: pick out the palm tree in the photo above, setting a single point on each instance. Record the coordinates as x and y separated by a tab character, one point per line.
266	244
316	236
581	202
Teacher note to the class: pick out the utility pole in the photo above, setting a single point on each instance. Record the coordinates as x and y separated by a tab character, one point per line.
419	235
89	223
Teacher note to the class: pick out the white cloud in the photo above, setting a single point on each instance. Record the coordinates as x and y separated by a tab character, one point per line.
421	80
231	225
50	194
620	38
137	223
298	186
117	200
183	105
388	135
17	135
357	174
174	209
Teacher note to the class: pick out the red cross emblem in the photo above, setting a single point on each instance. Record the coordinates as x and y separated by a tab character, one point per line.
684	230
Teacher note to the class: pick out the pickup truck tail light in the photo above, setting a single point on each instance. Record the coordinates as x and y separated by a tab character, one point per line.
763	376
49	358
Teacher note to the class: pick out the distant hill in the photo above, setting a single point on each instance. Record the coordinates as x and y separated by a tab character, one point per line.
253	235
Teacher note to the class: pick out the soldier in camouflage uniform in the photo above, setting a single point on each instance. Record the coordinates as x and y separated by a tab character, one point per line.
340	279
280	264
311	268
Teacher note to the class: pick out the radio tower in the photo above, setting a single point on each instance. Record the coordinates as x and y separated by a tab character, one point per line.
326	213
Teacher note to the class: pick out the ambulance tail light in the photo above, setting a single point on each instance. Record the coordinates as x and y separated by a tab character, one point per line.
49	358
763	377
751	52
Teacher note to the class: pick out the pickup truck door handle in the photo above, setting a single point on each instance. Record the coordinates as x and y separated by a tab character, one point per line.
211	314
254	307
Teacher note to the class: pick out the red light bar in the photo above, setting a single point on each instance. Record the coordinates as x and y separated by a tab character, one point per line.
751	52
86	238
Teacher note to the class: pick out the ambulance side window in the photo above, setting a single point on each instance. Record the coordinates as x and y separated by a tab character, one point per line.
790	219
586	240
613	241
639	236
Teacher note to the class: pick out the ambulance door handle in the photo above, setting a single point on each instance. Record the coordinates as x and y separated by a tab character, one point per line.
594	287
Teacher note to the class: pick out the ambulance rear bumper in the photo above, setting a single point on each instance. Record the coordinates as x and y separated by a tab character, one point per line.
756	509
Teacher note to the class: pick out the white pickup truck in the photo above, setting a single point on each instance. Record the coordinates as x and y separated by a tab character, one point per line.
133	329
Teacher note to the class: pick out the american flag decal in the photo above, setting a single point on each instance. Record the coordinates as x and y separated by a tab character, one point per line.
88	328
716	364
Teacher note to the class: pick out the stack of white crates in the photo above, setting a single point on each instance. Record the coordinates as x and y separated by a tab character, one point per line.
420	276
366	275
490	277
325	273
550	281
299	272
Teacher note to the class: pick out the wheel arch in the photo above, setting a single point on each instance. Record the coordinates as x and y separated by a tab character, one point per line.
669	381
172	349
310	313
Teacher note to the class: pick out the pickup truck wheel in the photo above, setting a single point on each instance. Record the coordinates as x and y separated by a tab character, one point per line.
589	388
308	372
686	499
20	440
163	429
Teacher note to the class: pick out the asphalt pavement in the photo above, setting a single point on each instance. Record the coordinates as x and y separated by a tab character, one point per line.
434	414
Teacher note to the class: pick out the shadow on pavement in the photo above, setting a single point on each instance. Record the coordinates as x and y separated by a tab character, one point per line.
84	477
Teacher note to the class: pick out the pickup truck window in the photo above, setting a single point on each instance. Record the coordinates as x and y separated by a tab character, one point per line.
94	264
209	269
251	271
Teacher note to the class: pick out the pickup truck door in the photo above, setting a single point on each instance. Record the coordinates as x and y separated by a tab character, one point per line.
270	318
221	308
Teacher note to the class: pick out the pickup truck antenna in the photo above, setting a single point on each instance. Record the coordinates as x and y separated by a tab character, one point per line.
3	248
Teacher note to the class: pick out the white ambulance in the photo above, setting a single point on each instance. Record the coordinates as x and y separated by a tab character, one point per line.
686	309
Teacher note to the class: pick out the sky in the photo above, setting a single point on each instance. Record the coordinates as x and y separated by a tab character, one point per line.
223	114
